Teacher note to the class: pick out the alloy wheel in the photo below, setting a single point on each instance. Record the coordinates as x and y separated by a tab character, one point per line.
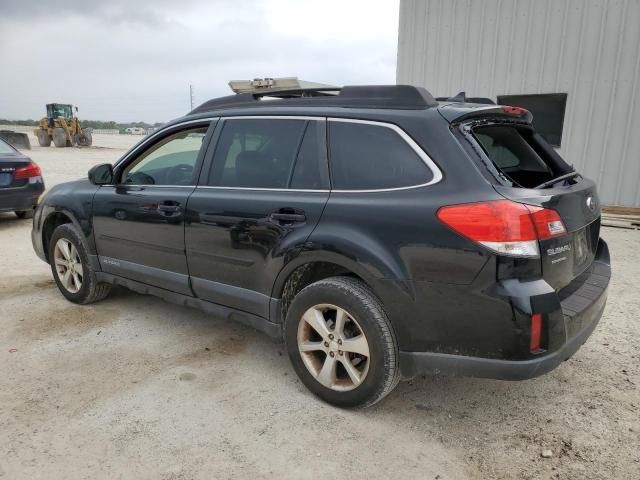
333	347
68	265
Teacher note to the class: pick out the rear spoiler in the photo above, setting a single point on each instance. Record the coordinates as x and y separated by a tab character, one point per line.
462	98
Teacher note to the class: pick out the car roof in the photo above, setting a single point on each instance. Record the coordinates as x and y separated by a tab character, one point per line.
390	103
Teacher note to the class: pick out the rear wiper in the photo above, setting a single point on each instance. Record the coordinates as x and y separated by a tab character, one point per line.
553	181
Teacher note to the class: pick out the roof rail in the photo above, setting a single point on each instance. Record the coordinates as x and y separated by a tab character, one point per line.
356	96
461	97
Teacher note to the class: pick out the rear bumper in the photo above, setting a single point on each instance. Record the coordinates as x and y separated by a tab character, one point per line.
578	315
414	363
22	198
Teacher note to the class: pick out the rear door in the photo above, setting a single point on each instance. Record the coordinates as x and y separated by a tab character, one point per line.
139	222
258	200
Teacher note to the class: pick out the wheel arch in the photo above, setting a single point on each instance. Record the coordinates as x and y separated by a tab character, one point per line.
52	221
307	268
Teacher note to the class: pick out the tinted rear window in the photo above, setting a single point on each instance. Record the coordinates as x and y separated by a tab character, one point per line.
369	157
256	153
5	148
271	153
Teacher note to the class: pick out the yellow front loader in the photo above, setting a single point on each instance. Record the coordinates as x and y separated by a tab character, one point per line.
62	127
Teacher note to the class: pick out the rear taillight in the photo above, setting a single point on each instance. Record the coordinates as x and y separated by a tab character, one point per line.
536	332
506	227
28	171
514	111
547	222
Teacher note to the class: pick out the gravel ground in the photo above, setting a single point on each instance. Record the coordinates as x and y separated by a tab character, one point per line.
133	387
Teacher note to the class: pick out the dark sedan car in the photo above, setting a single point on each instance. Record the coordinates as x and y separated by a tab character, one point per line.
21	181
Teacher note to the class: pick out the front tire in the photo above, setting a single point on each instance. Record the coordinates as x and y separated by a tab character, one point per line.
59	137
44	140
341	343
71	268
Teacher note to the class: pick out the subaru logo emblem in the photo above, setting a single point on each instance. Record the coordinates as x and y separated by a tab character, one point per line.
591	203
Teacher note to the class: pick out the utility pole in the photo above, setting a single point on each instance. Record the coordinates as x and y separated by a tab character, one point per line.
191	96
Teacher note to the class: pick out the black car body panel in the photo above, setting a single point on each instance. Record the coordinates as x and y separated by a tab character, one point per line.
454	305
573	316
234	243
74	202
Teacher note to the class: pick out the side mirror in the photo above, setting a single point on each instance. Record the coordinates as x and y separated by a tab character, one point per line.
101	174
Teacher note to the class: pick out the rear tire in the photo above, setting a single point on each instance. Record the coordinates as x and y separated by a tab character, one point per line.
44	140
361	356
72	269
59	137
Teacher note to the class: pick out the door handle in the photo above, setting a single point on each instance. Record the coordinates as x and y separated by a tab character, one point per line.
288	217
169	207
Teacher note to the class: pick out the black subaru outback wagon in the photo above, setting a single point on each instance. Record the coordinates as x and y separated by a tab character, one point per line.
380	232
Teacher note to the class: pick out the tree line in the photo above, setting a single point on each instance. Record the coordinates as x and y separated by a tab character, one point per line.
96	124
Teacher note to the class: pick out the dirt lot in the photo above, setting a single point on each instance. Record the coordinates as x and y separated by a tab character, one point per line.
133	387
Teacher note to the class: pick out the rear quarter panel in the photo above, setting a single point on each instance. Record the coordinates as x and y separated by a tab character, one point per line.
409	257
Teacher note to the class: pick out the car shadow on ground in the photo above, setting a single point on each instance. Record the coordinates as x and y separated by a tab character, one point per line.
152	342
424	395
434	394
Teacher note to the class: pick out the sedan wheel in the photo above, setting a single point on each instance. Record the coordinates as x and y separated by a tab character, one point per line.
333	347
68	265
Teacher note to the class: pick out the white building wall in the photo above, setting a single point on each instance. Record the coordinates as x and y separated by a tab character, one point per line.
589	49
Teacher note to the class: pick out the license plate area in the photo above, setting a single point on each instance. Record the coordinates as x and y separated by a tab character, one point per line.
583	251
5	179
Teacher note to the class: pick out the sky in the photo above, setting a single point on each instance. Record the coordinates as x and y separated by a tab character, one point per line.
133	60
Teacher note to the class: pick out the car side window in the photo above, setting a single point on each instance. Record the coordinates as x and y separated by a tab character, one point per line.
170	161
364	156
268	153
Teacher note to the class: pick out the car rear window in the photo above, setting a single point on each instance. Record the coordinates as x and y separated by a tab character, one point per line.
366	156
520	154
5	148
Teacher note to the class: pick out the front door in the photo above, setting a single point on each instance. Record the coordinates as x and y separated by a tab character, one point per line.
139	222
256	204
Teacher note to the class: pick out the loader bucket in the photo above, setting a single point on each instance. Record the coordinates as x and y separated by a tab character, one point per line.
85	138
16	139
